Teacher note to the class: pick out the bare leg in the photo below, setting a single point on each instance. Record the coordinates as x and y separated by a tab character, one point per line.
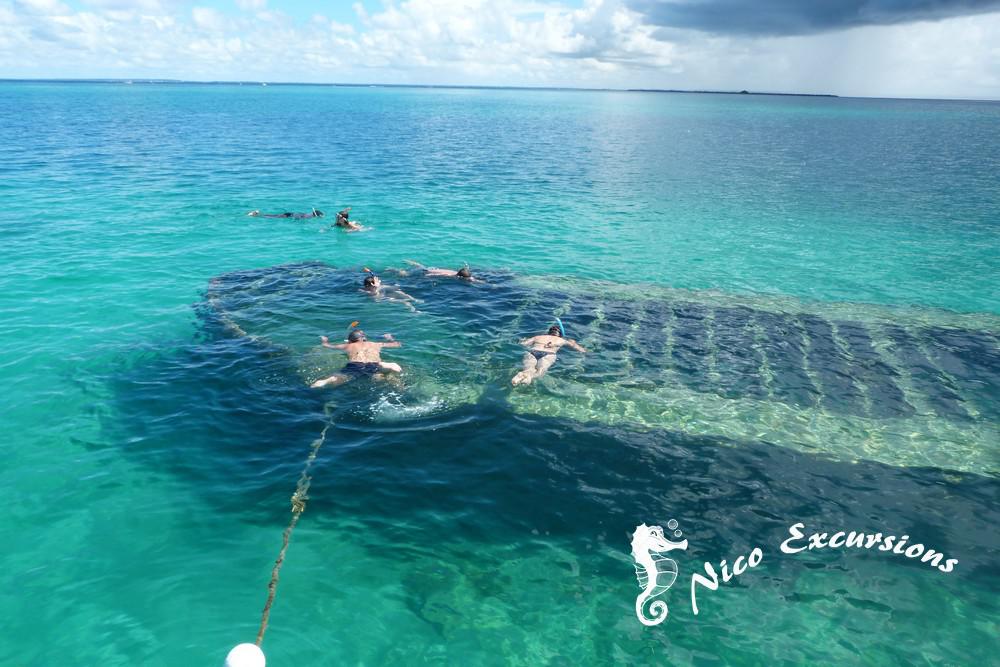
544	364
524	377
394	379
332	381
397	295
404	295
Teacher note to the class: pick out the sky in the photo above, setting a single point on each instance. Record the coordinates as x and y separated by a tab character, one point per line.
878	48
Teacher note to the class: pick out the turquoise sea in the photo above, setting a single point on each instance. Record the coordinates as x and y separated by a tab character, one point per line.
793	313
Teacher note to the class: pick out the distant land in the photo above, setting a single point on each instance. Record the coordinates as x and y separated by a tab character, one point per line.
146	81
726	92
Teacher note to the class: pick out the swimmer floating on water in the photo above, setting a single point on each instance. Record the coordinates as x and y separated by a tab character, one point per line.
373	287
463	273
542	353
364	359
316	213
344	223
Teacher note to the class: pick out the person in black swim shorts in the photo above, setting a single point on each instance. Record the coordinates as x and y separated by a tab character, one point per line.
364	359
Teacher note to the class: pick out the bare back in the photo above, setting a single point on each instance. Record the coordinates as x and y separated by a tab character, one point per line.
546	343
446	273
364	352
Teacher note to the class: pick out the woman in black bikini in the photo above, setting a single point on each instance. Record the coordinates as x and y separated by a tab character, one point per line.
542	354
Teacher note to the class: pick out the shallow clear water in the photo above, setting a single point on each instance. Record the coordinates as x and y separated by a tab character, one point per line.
792	302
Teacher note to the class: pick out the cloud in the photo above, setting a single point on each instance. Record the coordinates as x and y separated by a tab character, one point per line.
145	6
42	7
957	57
603	44
207	18
799	17
251	5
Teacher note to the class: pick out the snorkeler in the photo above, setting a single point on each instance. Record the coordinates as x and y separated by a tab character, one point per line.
344	222
463	273
364	359
542	353
316	213
373	286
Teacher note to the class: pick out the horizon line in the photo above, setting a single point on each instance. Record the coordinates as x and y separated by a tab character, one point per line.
261	82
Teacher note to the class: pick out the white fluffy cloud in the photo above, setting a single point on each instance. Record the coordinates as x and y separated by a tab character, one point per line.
490	42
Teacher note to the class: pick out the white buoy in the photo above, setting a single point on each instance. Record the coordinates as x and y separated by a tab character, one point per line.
245	655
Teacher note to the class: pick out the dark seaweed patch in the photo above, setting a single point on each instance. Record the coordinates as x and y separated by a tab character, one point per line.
840	393
737	359
926	378
886	397
782	343
973	359
690	349
649	341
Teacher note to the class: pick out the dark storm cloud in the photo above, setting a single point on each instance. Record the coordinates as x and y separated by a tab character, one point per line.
799	17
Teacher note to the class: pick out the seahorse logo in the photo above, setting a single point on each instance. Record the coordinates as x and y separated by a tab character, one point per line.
656	573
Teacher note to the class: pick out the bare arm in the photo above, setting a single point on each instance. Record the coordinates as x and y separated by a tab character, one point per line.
326	343
529	341
390	342
576	346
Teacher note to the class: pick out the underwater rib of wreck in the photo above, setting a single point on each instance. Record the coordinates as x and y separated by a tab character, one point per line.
902	386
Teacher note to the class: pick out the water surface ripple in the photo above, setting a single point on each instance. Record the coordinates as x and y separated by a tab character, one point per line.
792	305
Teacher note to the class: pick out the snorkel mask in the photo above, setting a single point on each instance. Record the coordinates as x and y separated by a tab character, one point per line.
354	335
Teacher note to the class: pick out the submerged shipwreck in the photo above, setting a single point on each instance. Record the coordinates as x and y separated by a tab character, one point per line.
901	386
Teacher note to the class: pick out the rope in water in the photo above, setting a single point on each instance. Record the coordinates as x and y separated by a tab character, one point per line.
299	499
